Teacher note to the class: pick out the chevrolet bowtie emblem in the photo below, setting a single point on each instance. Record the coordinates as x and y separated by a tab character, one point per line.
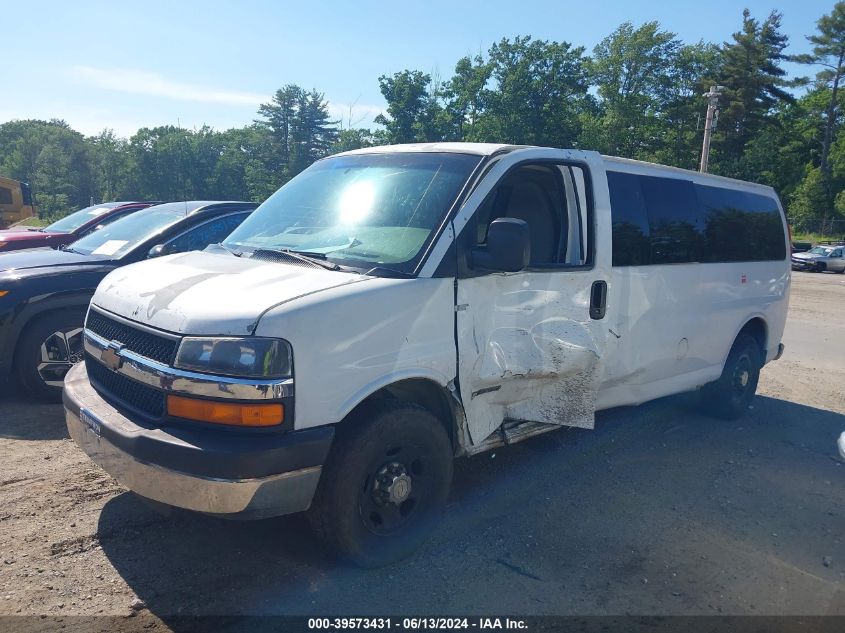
111	356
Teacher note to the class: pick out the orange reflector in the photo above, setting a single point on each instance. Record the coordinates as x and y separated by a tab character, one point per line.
3	293
226	413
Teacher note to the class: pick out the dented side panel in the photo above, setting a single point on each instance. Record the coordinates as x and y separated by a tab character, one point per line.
528	349
527	352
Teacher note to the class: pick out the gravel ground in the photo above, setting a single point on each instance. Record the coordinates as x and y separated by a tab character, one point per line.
659	510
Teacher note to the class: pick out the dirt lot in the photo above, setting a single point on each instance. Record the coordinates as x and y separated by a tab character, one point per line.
658	511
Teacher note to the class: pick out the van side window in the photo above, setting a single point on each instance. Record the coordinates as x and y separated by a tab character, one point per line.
631	245
5	195
671	221
553	200
741	226
674	220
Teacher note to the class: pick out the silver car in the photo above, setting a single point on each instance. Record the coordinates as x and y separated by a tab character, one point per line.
821	258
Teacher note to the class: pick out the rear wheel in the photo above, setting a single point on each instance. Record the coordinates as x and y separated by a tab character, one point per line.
384	485
730	396
47	350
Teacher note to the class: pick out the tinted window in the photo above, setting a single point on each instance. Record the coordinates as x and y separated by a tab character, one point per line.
669	221
5	196
26	194
212	232
630	220
741	226
674	220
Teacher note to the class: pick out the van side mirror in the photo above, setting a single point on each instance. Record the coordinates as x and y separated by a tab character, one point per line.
157	251
508	247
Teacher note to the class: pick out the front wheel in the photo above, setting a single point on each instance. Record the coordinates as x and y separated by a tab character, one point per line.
47	350
385	483
730	396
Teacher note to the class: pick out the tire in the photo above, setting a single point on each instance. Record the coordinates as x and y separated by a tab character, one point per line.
46	350
820	267
364	508
730	396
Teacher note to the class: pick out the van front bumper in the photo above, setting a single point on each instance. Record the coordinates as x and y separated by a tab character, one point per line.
223	472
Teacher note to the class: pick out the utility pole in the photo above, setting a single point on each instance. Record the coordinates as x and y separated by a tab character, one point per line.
709	124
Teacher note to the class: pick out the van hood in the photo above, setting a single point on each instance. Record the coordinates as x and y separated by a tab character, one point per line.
210	294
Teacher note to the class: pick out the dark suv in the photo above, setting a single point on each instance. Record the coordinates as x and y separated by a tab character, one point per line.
44	293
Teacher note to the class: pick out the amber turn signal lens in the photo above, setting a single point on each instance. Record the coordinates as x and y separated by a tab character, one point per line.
225	412
3	293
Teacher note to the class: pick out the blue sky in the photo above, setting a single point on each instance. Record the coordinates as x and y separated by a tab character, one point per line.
129	64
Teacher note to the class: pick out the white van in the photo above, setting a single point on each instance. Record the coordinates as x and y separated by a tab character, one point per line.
393	307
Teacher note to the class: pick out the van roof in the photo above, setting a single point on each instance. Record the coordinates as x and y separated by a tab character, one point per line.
488	149
644	167
480	149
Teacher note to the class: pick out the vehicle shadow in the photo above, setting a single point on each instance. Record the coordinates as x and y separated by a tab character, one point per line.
566	522
27	420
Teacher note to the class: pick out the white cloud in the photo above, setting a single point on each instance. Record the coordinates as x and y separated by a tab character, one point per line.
143	82
354	114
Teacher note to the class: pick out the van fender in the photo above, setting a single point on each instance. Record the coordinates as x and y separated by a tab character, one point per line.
386	380
743	323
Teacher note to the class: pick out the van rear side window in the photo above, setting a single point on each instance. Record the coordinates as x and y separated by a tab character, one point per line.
670	221
5	195
741	226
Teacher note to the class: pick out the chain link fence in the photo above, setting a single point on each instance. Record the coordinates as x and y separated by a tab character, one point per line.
818	229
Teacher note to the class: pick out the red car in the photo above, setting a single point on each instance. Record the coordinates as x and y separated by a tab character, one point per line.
70	228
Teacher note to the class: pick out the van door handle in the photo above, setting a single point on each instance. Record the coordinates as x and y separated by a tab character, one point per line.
598	299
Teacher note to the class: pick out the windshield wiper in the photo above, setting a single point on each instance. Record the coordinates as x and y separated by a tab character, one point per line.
304	256
230	250
384	271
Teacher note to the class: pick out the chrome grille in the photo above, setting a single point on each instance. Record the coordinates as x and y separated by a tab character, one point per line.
147	344
125	391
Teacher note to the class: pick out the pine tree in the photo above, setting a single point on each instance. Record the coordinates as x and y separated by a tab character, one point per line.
754	84
828	52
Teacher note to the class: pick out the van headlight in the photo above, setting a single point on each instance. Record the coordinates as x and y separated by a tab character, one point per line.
252	357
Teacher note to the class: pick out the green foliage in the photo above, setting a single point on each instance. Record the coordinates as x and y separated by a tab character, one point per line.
638	96
630	69
414	113
50	156
754	84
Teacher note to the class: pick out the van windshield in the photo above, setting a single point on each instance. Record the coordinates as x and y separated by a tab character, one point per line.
363	210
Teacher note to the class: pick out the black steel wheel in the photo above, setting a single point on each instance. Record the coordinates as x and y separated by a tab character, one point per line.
385	483
730	396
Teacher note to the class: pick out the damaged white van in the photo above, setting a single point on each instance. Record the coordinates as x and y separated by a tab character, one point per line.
394	307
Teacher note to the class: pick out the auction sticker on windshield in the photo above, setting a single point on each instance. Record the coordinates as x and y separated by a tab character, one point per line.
110	247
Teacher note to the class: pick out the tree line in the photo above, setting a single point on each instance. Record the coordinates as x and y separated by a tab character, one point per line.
637	94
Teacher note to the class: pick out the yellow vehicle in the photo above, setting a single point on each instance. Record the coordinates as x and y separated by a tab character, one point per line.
15	202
